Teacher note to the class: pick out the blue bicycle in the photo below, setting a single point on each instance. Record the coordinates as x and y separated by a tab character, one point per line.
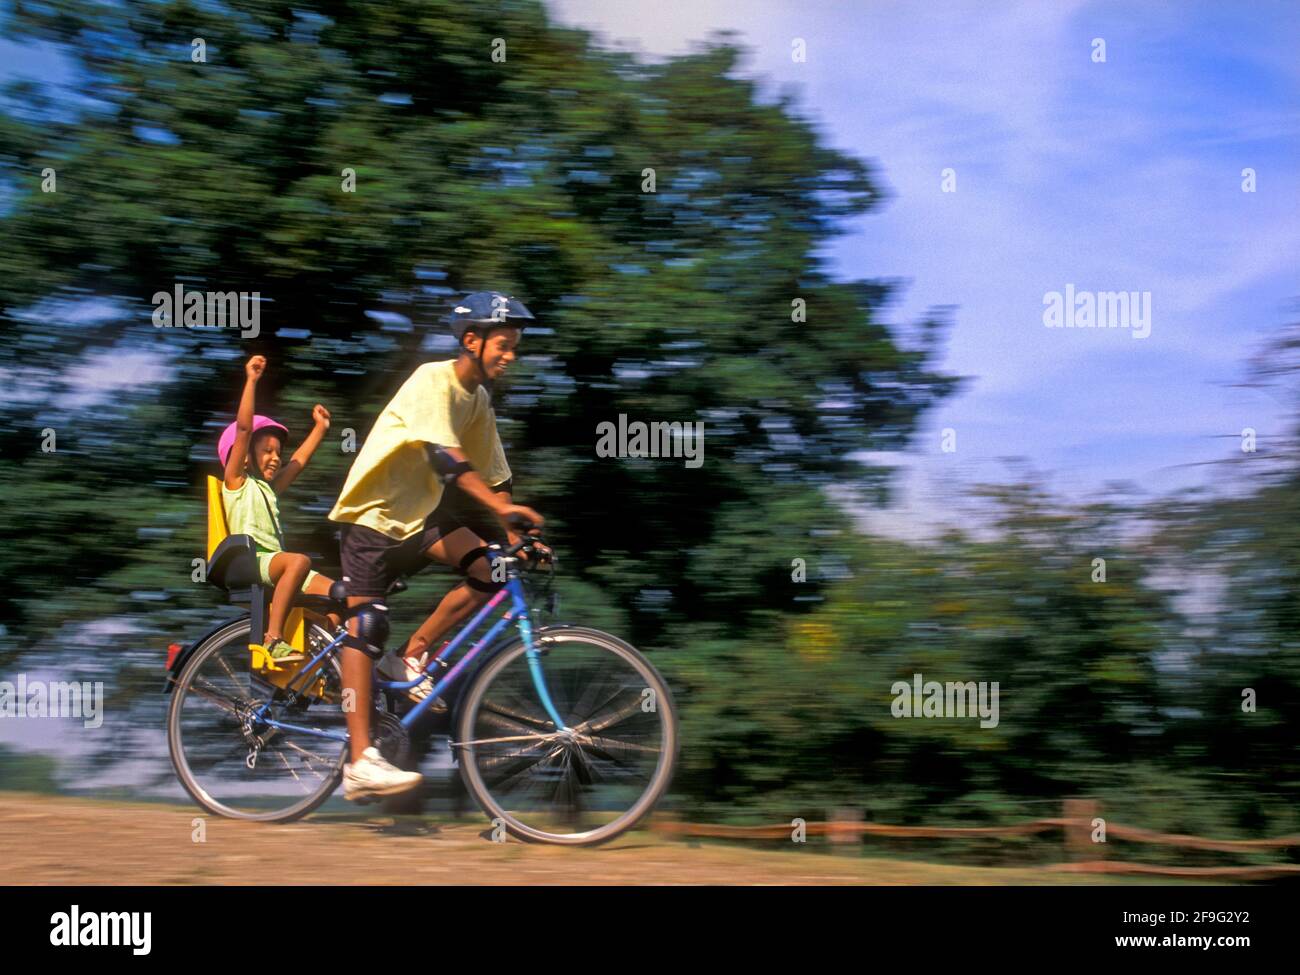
563	734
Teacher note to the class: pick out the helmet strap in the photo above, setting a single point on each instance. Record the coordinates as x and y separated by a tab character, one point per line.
478	360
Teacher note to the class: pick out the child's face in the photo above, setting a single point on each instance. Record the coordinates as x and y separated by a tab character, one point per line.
264	454
499	350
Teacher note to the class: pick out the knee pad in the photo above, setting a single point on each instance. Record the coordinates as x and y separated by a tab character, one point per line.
478	584
372	629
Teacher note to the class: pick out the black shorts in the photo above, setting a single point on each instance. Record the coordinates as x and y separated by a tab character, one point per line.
372	561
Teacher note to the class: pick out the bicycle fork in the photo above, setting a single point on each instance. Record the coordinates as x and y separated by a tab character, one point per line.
534	656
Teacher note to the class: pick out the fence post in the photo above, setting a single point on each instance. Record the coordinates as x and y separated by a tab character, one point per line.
1078	834
841	839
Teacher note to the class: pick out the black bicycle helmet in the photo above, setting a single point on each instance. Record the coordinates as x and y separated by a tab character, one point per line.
483	310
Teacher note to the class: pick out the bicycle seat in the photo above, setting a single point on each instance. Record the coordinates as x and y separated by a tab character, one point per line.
233	564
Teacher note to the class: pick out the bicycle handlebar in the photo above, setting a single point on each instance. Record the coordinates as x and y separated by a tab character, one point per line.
527	542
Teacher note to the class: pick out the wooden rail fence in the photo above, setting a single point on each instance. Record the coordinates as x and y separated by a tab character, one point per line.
1085	855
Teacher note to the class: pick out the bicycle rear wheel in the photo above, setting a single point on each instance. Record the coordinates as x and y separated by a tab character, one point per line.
213	734
577	788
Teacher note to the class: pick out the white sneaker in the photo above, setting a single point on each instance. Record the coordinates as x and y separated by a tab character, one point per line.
375	776
393	667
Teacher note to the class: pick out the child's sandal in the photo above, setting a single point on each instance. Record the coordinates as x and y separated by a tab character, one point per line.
276	652
284	653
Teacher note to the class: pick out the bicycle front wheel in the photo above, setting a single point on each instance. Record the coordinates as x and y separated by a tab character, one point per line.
225	754
583	785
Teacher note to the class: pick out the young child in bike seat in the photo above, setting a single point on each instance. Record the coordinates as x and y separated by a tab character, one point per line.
250	451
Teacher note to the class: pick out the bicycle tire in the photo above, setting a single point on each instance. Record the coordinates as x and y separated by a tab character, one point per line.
554	640
237	630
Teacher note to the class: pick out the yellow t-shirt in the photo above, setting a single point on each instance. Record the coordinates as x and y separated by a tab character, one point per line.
391	487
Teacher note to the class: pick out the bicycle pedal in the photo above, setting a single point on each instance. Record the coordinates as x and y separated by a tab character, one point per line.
397	704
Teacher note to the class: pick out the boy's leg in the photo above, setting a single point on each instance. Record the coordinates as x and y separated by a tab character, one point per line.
461	602
357	676
366	776
287	570
366	558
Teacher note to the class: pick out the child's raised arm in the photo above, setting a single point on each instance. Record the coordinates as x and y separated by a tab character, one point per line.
238	457
302	455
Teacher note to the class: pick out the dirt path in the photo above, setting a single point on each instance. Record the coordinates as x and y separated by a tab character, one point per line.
56	840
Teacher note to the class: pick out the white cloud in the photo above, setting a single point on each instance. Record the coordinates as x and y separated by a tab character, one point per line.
102	374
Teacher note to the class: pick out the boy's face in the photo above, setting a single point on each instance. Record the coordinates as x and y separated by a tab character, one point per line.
265	453
498	349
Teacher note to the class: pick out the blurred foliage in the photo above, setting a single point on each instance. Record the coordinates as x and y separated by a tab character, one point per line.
526	176
28	771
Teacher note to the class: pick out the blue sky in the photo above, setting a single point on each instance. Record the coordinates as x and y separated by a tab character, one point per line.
1123	175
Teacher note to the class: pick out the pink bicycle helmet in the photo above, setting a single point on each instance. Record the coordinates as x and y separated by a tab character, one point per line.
260	423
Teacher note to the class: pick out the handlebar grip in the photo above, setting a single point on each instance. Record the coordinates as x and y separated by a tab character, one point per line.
527	541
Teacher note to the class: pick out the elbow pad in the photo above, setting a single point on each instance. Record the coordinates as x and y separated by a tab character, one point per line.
444	465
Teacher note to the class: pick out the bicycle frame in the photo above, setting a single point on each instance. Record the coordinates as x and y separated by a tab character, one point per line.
517	613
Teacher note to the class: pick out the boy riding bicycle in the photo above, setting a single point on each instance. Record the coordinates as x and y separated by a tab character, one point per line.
438	432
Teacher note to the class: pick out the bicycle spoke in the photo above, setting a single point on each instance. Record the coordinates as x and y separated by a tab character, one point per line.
236	679
607	746
306	787
228	751
502	724
222	702
568	790
530	764
630	710
584	707
309	755
514	717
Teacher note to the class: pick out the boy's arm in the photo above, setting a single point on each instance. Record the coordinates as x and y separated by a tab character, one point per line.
503	481
280	483
450	461
238	458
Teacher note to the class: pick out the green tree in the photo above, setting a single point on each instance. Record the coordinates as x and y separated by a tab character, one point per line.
529	174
